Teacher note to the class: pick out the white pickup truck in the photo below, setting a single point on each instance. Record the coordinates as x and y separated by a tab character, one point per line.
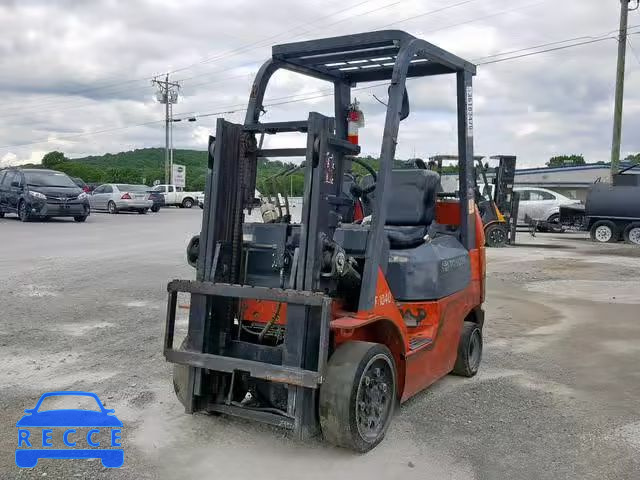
173	197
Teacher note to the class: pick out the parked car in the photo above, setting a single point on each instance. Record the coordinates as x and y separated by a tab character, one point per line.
176	198
541	204
158	200
116	197
41	194
200	200
78	181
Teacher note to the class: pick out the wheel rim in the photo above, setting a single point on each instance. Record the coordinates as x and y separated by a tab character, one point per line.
475	350
497	236
634	235
374	397
112	207
603	233
188	204
22	211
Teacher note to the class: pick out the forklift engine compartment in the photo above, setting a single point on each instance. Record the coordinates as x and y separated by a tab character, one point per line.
325	325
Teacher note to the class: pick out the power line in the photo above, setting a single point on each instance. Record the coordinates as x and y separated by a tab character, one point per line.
320	94
430	12
259	43
238	50
84	134
244	48
514	57
558	42
56	104
633	50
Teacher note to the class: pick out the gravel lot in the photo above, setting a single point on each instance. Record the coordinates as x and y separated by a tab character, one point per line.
82	308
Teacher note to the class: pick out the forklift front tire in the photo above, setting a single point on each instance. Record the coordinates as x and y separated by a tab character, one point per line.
358	395
496	235
469	351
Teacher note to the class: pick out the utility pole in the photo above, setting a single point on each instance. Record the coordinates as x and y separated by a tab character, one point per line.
167	94
619	95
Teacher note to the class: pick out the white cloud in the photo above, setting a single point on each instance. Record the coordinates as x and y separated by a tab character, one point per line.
89	71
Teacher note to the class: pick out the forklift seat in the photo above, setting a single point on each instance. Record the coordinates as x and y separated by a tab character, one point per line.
412	201
411	207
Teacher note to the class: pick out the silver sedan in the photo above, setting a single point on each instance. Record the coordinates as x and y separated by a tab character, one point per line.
115	197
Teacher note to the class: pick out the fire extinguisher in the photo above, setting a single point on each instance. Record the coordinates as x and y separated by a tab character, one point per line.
355	120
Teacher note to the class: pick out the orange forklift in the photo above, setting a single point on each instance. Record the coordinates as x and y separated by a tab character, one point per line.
326	325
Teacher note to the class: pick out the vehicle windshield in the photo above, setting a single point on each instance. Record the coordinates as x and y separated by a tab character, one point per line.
48	179
132	188
64	402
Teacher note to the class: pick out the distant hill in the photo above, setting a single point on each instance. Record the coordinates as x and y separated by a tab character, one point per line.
145	165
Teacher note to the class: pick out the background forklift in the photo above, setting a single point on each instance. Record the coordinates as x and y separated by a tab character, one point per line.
326	325
497	202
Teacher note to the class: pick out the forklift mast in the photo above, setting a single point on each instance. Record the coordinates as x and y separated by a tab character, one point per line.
308	279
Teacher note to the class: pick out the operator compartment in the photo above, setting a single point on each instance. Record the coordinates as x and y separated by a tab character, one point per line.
426	260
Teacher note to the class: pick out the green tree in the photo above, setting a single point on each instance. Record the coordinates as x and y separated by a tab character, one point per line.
566	161
634	159
51	159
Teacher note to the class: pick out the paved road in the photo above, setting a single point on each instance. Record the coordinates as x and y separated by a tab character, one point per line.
82	307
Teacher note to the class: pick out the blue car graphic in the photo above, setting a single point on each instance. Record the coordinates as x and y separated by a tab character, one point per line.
29	452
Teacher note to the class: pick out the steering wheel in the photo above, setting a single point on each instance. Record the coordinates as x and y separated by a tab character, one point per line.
359	191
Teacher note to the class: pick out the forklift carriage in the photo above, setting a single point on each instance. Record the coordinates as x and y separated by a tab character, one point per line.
327	324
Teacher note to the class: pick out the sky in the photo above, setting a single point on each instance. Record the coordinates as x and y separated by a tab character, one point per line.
76	75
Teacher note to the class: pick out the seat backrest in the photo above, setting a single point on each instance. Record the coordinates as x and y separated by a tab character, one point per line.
412	199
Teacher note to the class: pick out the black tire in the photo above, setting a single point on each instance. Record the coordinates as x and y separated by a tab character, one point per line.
187	202
469	351
496	235
631	233
358	396
180	377
142	211
80	218
155	209
23	211
111	207
604	231
1	214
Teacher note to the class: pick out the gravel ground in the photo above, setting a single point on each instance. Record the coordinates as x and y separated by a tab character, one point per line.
82	308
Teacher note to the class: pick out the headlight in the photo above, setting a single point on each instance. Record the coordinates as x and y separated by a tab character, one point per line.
82	196
38	195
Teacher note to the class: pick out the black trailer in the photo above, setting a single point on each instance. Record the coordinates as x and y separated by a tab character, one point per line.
611	212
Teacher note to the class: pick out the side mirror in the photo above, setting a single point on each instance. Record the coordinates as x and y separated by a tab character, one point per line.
404	110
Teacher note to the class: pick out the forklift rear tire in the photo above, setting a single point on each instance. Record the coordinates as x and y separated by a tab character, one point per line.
469	351
358	396
496	235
